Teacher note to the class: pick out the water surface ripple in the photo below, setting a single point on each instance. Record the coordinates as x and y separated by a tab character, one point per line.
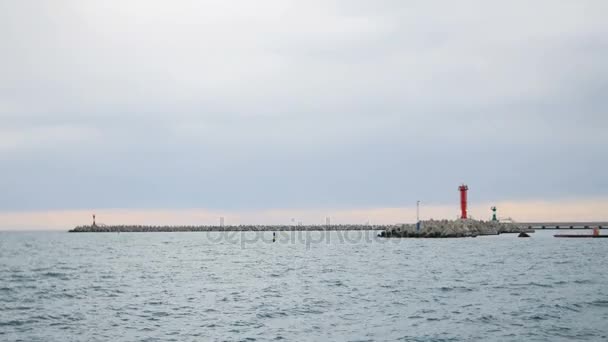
199	287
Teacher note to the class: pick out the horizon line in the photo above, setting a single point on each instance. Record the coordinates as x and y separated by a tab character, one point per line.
580	210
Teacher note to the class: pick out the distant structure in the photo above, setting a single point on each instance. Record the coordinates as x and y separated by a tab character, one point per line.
463	201
221	221
494	214
417	216
94	221
462	227
328	221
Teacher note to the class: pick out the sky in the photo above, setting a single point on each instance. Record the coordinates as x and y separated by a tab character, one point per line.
261	111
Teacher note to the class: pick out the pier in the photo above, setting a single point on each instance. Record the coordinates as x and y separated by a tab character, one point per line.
562	225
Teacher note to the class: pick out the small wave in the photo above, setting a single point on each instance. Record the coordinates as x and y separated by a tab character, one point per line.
241	323
21	277
338	283
542	317
16	323
54	275
487	318
18	308
600	303
68	268
276	314
154	302
562	262
67	295
567	307
45	318
532	284
455	288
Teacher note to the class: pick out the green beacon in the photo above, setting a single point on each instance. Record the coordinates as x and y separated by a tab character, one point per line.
494	214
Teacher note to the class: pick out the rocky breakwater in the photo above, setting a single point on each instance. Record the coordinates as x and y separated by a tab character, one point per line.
450	229
145	228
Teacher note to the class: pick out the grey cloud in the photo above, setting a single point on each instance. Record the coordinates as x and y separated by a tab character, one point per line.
299	104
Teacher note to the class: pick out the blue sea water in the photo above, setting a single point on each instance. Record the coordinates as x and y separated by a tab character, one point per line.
339	286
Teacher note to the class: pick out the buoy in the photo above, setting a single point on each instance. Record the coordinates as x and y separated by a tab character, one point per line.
274	236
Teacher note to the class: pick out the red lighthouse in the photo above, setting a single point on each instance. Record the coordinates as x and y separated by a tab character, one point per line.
463	200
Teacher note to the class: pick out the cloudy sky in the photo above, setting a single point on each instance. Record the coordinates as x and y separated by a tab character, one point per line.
271	109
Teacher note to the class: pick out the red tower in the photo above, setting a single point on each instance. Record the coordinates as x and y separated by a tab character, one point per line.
463	200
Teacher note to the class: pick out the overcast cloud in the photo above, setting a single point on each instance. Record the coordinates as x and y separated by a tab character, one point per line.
240	105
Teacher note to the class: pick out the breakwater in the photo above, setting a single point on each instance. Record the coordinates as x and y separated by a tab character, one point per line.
258	228
451	228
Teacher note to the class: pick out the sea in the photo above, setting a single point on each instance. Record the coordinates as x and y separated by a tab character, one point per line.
304	286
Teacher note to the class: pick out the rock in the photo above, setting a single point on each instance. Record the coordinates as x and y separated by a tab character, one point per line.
455	228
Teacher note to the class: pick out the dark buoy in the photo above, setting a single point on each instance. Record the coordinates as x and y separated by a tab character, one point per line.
523	234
